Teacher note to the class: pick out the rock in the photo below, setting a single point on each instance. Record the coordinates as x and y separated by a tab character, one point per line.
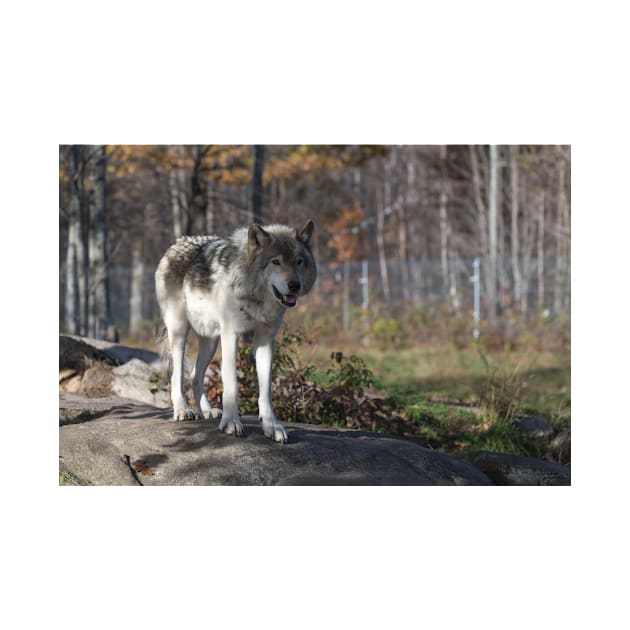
93	381
513	470
122	354
560	448
77	355
137	380
534	426
116	441
97	368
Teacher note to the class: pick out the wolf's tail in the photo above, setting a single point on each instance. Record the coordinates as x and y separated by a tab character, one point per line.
161	339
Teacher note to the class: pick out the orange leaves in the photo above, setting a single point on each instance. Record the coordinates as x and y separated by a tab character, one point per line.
303	160
141	467
345	233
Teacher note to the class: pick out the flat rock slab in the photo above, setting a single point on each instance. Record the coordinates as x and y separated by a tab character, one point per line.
116	441
513	470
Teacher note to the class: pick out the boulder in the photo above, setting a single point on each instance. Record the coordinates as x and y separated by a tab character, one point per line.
513	470
117	441
120	353
97	368
77	355
139	381
534	426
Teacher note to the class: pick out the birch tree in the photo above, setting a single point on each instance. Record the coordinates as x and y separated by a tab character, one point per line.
407	205
514	226
382	201
443	193
561	237
482	213
493	212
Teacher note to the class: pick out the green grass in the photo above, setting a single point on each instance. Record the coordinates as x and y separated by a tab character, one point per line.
458	400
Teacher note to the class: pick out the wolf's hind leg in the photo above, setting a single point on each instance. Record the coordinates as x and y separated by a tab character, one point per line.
207	348
177	333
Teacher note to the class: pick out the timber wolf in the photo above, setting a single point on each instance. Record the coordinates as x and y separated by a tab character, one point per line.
223	288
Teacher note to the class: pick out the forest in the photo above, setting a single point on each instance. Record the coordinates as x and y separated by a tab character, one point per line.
479	234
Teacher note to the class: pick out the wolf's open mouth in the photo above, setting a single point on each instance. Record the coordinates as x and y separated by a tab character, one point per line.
288	300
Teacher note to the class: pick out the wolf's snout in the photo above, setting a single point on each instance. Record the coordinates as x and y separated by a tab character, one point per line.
294	286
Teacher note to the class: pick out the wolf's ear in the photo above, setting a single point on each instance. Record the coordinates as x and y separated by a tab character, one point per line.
257	238
305	232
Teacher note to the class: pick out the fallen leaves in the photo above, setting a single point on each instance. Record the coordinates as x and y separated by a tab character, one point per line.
140	466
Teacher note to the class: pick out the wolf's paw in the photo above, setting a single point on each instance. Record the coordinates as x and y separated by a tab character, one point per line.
214	413
209	412
186	413
275	431
232	426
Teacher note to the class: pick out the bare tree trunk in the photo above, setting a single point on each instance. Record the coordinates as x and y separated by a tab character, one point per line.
452	275
493	211
73	255
80	233
529	238
257	183
99	312
541	251
444	223
84	261
514	235
503	278
408	204
558	288
566	199
482	220
199	197
179	202
381	203
137	288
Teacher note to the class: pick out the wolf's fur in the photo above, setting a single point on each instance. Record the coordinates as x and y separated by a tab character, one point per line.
222	288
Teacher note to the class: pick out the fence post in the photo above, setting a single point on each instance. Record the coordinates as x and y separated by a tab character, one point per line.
366	299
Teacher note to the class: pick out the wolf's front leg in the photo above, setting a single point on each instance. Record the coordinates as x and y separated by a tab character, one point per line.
263	349
230	421
207	348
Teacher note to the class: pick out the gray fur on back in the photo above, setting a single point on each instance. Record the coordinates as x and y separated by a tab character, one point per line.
198	260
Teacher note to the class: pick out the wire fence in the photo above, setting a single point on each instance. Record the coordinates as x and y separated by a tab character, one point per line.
540	288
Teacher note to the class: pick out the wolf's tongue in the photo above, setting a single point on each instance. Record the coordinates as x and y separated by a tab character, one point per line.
289	299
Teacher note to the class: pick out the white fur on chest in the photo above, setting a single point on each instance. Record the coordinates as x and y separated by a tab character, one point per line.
213	312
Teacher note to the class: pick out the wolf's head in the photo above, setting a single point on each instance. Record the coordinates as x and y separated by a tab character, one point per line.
284	258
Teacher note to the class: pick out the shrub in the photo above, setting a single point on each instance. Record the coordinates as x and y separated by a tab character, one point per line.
302	394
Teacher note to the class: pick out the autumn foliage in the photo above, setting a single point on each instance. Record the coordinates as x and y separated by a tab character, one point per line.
345	236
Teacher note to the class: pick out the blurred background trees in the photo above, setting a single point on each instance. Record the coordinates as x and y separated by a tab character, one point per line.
398	226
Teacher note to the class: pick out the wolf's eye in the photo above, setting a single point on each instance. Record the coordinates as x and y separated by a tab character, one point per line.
299	261
275	261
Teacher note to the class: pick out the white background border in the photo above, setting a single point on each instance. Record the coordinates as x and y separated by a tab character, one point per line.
342	72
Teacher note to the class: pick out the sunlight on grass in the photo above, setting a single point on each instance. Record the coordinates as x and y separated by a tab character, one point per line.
459	403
